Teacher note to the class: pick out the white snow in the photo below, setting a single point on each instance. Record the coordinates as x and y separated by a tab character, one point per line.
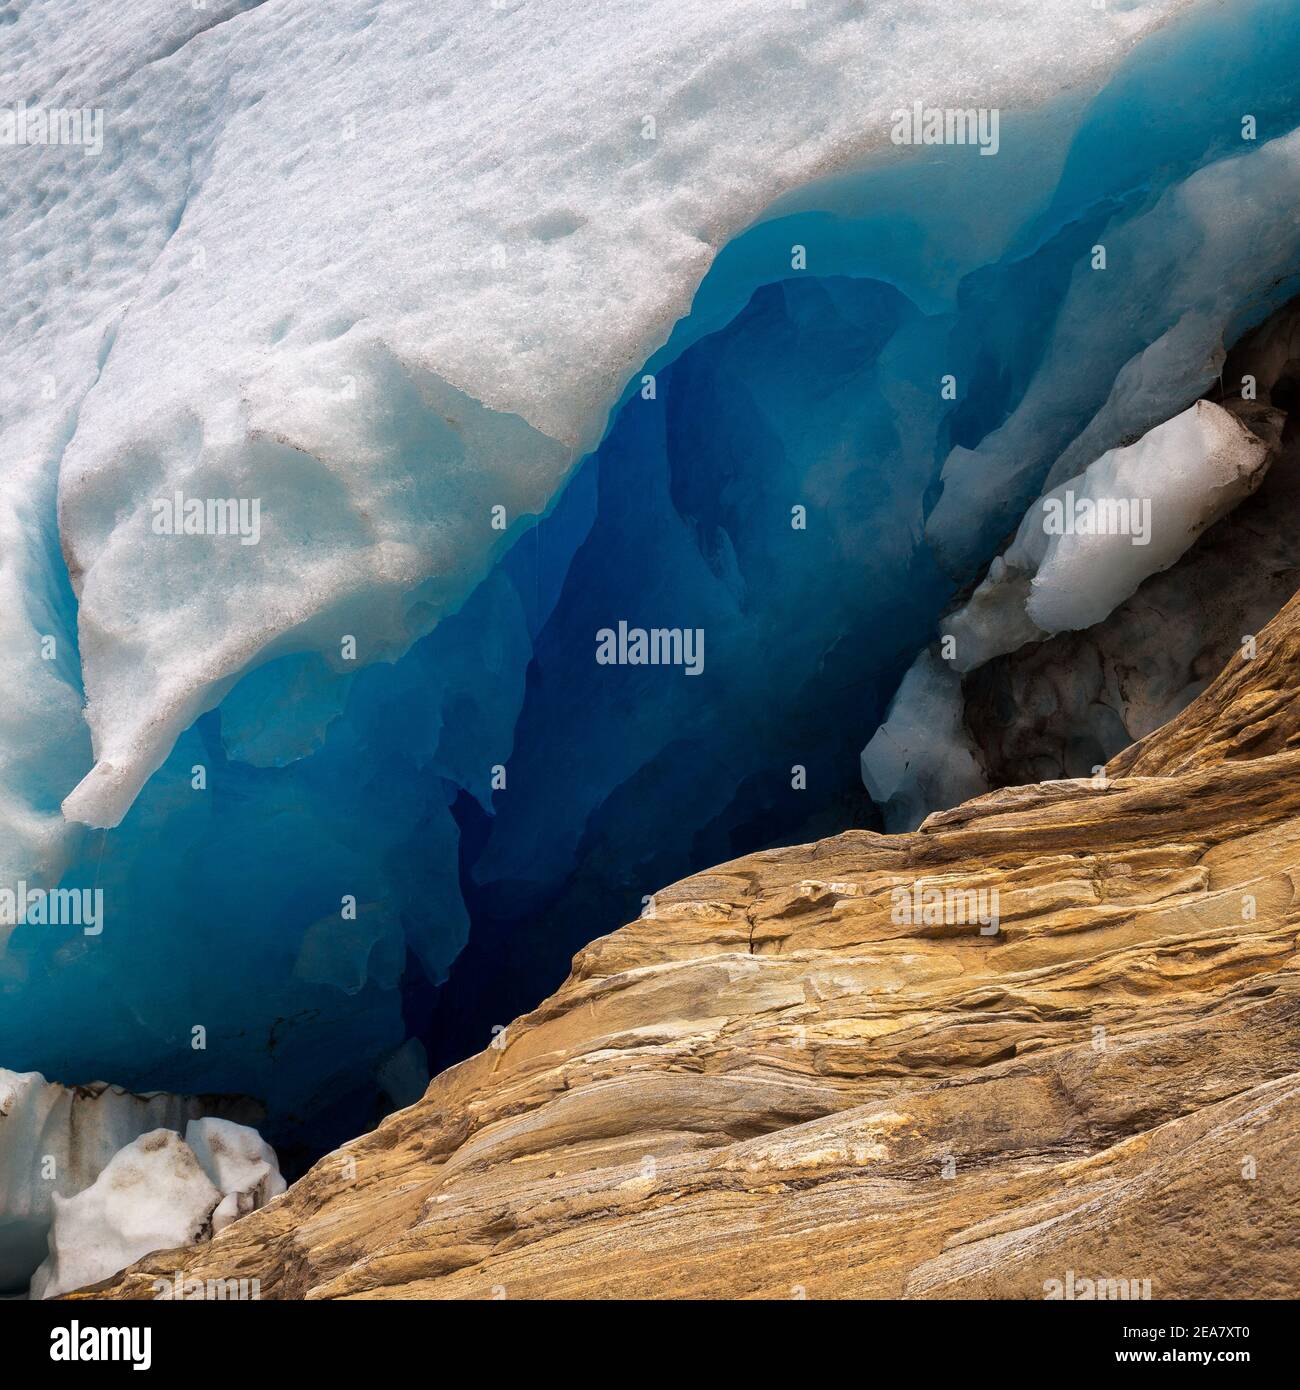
381	266
241	1164
56	1141
1081	549
153	1195
157	1192
1174	482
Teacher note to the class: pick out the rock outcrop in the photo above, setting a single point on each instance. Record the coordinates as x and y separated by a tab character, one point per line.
1051	1036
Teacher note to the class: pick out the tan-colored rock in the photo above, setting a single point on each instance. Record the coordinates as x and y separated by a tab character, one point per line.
1249	711
779	1086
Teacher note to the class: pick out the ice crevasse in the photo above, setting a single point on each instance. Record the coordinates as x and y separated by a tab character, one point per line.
519	323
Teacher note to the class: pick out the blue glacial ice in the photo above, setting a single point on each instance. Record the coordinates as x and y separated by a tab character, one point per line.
411	844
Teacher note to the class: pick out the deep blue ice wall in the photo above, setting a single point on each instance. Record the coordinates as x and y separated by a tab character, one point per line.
783	389
622	778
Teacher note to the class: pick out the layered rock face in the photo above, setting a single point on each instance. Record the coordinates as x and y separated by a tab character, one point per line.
1044	1046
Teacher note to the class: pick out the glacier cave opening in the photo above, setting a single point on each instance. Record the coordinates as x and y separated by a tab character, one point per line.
797	484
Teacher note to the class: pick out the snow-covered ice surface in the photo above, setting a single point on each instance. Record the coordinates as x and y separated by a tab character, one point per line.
386	267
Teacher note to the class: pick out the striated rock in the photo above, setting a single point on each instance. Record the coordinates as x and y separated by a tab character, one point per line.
1051	1036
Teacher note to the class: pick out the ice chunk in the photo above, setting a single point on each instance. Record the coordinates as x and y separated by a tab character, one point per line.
404	1075
921	756
153	1195
282	711
347	951
1146	327
241	1164
56	1140
1088	544
1081	551
1066	706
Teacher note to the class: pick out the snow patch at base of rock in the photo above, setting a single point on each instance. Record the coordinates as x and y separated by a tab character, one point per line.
153	1195
241	1164
56	1140
159	1192
90	1175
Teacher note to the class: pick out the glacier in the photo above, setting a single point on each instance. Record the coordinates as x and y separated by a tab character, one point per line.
520	326
1082	550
